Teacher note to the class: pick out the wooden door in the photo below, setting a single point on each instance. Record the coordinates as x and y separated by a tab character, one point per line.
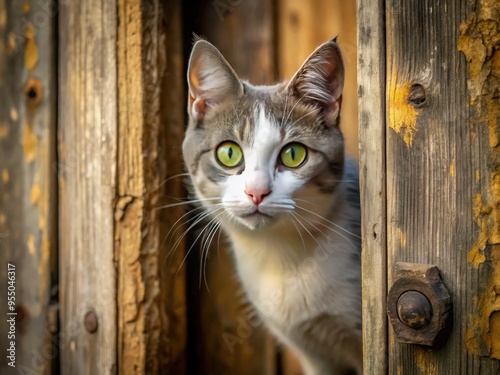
429	115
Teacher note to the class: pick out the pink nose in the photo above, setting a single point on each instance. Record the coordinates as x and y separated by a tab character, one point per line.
257	195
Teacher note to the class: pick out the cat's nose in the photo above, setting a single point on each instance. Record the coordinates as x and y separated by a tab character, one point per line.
257	195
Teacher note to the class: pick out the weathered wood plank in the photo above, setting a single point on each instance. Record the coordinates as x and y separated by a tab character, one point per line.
141	61
442	166
173	339
231	339
87	184
27	181
372	120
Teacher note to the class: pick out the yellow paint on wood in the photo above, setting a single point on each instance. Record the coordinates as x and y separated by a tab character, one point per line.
29	143
14	115
402	237
4	131
452	169
5	176
476	254
478	175
31	49
26	7
31	244
35	194
402	116
3	219
11	43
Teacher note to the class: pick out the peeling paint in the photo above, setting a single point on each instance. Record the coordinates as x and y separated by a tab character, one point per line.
31	49
5	176
402	115
402	237
4	131
31	244
479	41
14	114
35	194
29	143
481	214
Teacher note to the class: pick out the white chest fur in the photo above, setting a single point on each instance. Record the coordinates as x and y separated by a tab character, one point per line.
291	276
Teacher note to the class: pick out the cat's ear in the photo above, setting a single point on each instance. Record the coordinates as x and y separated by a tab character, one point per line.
320	80
211	80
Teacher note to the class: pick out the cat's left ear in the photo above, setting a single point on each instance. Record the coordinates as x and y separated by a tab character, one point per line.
212	81
320	81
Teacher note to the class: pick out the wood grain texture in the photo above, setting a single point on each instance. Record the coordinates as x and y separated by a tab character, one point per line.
87	184
27	180
230	338
442	165
372	133
304	25
173	277
141	63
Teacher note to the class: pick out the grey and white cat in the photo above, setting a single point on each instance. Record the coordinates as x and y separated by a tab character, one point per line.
268	163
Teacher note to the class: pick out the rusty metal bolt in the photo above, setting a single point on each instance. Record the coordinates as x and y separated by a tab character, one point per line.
414	310
90	321
418	303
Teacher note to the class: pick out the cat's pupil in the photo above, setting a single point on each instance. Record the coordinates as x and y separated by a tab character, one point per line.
292	151
230	152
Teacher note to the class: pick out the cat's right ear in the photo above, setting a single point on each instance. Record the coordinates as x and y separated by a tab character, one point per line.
211	80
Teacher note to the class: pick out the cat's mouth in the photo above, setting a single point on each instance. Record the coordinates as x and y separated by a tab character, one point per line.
255	219
256	213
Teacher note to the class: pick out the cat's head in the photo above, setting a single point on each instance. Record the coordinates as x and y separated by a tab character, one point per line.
260	150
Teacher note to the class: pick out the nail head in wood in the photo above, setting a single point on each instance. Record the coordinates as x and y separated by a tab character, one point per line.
90	321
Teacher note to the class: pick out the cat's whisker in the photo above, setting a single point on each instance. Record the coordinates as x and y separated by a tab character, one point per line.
328	221
175	226
334	230
210	237
191	201
198	237
199	217
312	112
291	110
294	215
298	231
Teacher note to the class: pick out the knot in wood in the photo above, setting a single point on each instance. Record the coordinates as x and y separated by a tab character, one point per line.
417	95
90	321
33	91
414	310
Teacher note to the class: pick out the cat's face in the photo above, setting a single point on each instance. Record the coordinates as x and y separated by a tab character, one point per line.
255	153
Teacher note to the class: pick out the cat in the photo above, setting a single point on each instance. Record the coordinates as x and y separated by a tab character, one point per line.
267	163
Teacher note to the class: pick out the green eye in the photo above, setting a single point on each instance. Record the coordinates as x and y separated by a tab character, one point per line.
229	154
293	155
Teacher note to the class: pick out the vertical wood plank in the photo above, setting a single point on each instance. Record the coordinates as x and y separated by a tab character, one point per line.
151	298
173	340
87	184
231	339
372	120
442	167
302	26
27	181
